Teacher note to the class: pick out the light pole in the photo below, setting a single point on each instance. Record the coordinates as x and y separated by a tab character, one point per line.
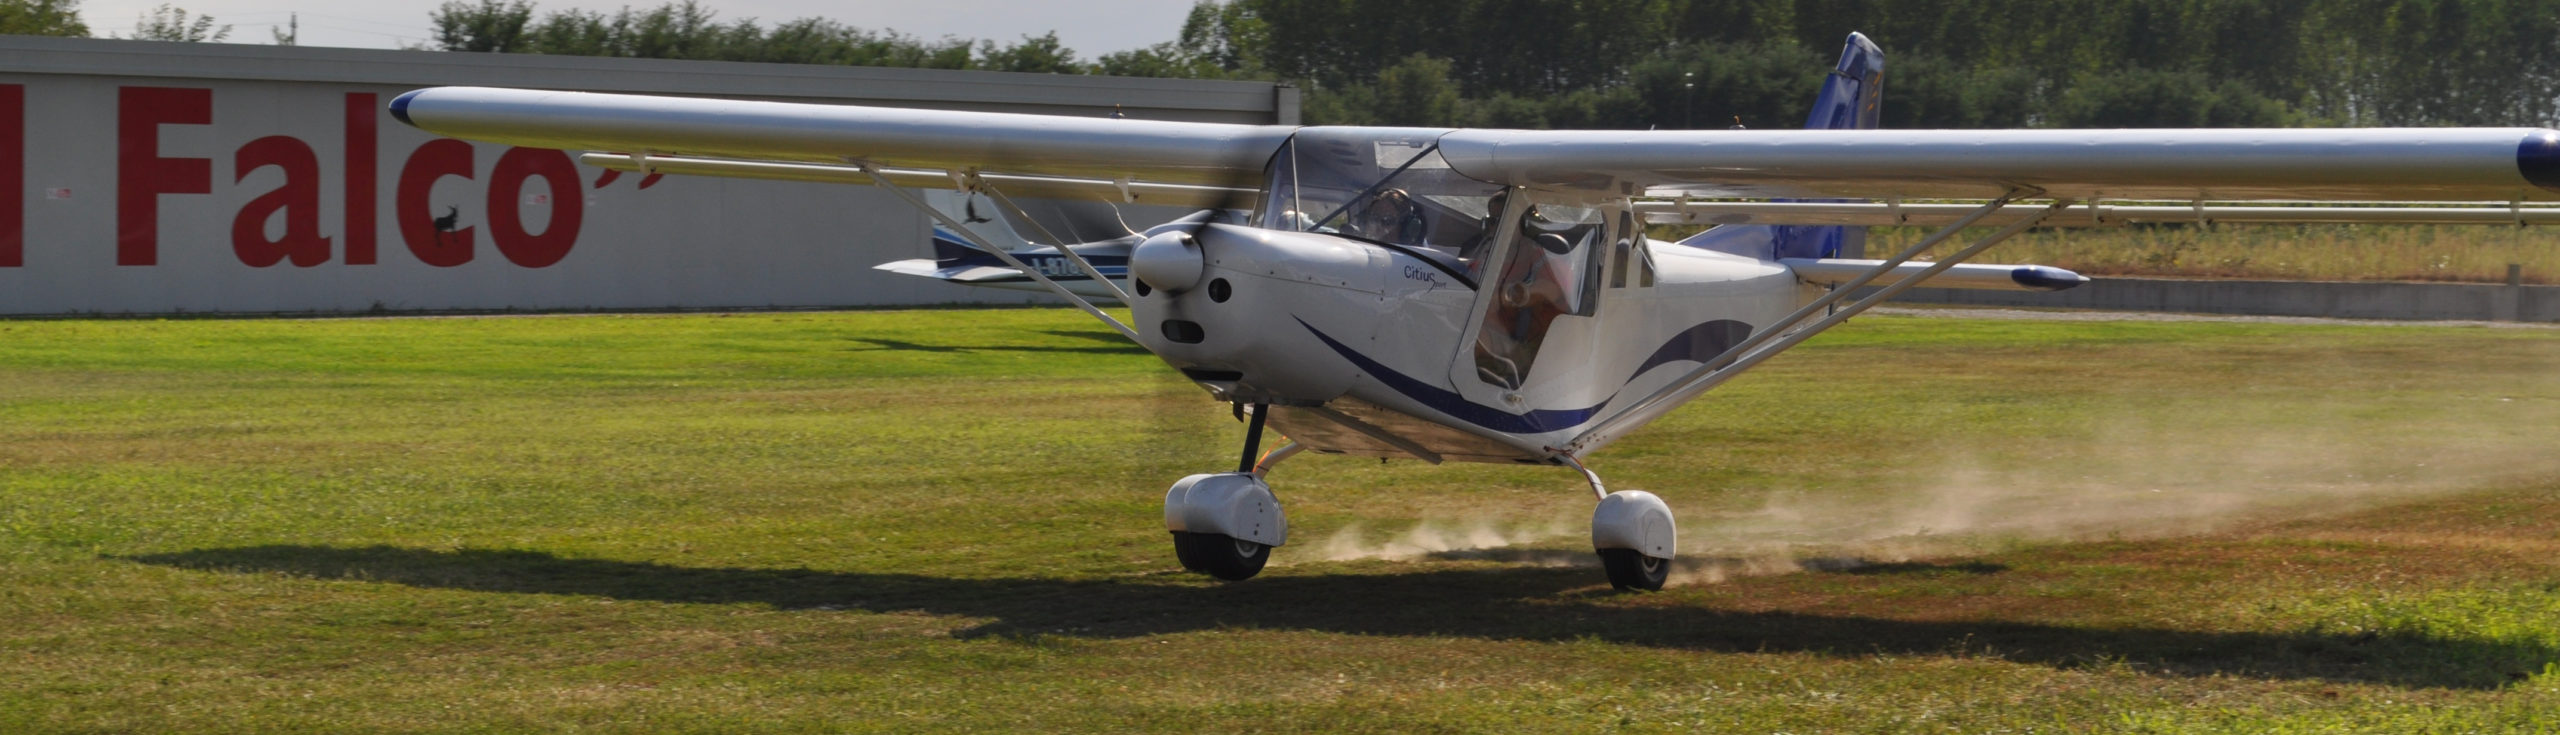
1688	92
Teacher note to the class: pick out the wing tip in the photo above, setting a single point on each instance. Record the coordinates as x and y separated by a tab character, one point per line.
2538	159
2046	278
400	107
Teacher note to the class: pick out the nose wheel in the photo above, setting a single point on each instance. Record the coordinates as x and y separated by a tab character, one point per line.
1633	532
1630	569
1219	555
1225	524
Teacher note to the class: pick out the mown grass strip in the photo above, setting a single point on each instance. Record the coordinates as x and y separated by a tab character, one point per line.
946	521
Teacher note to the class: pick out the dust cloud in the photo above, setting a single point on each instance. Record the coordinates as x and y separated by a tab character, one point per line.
1447	537
2140	479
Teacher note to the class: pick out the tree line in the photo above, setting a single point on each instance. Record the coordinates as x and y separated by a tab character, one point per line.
1693	63
1950	63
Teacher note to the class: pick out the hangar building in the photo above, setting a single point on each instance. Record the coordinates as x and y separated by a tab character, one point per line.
147	177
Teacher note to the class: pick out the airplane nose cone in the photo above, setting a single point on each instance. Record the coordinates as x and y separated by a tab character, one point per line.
1168	261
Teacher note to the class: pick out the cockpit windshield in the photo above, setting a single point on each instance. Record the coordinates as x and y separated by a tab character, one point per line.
1385	185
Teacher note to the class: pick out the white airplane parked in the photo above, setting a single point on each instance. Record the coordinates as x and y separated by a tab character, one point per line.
1489	295
956	259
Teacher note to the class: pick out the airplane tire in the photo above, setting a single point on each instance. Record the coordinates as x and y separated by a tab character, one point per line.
1226	557
1630	569
1182	551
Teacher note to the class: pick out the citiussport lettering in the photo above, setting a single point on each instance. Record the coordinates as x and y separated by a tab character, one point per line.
1417	273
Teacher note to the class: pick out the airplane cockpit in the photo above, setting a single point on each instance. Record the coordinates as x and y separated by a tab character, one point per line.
1385	186
1390	187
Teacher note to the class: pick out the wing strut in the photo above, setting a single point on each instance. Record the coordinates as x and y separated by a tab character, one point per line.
979	184
983	243
1769	342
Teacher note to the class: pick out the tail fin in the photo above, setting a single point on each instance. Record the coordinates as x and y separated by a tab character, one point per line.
983	218
1851	96
1852	99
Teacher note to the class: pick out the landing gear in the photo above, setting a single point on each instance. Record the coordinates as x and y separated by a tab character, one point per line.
1182	551
1218	555
1225	524
1630	569
1632	530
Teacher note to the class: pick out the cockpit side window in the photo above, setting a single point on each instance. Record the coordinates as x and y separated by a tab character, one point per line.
1279	207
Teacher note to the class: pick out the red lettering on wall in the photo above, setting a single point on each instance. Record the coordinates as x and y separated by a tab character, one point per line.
13	175
435	237
363	114
298	199
506	197
142	175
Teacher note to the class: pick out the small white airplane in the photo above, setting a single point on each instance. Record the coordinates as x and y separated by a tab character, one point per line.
1489	295
958	260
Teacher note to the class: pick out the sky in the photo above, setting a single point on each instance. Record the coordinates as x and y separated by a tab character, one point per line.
1090	27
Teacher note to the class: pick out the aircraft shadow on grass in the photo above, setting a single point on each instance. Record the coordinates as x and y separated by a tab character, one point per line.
1518	603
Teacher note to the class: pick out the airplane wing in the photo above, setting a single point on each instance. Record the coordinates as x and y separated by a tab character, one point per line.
1159	151
2349	164
2361	164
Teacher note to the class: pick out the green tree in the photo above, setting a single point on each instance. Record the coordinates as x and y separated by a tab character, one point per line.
489	26
689	30
576	32
1218	40
1927	92
2144	98
1733	21
1040	54
171	23
1226	35
1672	63
1764	84
1160	60
677	30
1416	91
42	18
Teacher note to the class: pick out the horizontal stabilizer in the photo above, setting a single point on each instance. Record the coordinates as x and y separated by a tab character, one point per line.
970	274
1836	271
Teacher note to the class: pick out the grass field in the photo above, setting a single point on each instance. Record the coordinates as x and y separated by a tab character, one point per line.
2465	253
948	521
2457	253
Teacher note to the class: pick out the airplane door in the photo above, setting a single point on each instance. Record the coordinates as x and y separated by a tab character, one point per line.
1533	309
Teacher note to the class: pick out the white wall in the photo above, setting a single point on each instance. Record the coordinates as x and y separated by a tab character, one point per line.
90	114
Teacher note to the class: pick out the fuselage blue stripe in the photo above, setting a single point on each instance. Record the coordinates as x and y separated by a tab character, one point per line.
1695	344
1457	406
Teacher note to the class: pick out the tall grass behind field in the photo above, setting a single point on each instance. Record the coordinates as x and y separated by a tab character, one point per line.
2475	254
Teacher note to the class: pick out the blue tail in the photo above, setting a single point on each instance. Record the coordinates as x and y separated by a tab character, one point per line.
1852	95
1851	99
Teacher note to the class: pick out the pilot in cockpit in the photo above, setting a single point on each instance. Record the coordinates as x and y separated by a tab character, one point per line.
1391	217
1472	251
